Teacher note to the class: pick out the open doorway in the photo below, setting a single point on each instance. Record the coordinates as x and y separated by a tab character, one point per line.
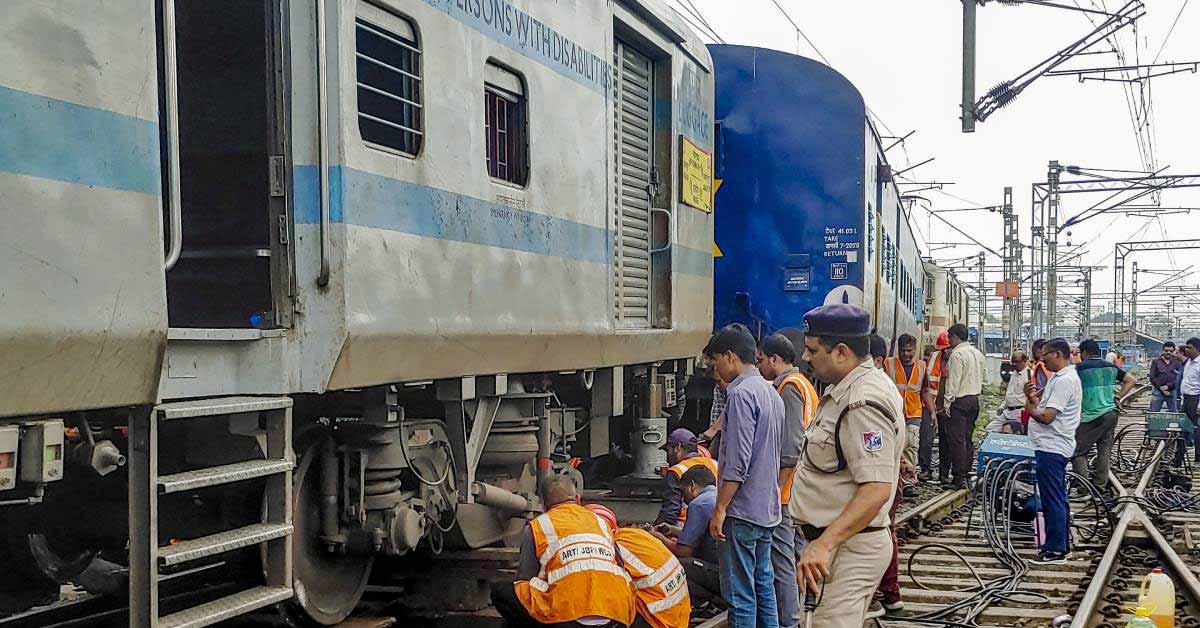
235	267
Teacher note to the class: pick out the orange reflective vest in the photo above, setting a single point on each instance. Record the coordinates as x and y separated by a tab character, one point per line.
681	468
934	370
811	400
659	584
579	576
910	387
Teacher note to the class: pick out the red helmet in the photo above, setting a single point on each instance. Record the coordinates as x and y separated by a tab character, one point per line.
943	341
604	513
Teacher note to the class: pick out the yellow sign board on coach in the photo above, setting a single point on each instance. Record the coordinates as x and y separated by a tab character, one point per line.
696	183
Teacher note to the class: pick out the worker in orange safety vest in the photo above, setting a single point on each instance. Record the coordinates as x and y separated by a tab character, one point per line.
568	574
659	584
683	452
931	396
909	375
776	362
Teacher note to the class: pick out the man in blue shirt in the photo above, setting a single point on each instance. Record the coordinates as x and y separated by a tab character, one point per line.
748	505
693	545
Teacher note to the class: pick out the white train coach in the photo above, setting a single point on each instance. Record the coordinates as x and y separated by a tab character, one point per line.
287	286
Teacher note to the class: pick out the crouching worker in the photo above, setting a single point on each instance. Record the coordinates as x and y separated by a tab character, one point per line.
692	544
568	575
659	584
683	453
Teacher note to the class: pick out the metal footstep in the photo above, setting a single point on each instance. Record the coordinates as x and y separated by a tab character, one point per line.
273	532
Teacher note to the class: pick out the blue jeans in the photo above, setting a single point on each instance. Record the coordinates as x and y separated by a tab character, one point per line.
747	578
786	543
1052	487
1158	399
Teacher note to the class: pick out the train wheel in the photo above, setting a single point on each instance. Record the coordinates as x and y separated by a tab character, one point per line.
328	585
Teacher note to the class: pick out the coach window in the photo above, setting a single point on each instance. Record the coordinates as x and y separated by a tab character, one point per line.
388	63
504	124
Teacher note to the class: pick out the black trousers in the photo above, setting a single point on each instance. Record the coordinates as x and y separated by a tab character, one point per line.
1191	407
703	579
504	598
925	450
964	412
1096	433
943	438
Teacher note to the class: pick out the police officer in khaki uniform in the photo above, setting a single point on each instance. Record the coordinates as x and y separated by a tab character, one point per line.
845	483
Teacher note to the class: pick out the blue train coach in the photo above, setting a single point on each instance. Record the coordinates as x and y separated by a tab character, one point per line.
807	211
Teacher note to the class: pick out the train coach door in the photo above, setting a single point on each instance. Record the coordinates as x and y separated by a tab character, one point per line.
235	266
641	267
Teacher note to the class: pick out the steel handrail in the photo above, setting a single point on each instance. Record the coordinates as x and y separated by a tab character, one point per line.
174	195
322	144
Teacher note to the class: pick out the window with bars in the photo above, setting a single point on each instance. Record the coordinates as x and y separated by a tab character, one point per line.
505	125
388	66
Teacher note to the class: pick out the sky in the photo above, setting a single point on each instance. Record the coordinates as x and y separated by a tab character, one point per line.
905	56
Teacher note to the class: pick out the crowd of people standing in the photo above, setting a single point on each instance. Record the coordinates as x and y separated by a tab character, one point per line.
785	505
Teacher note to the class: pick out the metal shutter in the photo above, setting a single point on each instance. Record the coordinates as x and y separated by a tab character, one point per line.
633	78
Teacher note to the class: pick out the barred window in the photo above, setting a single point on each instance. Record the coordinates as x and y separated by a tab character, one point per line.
388	63
504	124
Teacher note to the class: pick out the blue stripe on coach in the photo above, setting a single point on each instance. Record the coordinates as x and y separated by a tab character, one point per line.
380	202
54	139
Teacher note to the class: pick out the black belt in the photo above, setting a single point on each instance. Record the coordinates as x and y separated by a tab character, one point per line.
812	533
1013	407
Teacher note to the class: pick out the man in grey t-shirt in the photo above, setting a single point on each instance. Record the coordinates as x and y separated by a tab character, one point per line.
1054	416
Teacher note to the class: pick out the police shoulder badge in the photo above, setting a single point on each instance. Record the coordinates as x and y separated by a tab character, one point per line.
872	441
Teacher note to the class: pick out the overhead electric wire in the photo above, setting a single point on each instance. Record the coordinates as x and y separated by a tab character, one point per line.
700	16
703	26
1171	30
696	21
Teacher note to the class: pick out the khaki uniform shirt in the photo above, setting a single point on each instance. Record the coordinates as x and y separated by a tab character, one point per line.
871	444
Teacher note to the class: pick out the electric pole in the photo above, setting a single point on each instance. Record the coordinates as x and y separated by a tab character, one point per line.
968	62
1085	324
1171	317
1051	258
1132	334
982	304
1012	272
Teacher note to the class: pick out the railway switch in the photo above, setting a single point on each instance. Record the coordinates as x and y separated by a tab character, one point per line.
10	439
41	456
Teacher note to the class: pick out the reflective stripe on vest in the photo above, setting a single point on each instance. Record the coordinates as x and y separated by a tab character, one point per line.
659	583
682	468
934	368
579	575
910	389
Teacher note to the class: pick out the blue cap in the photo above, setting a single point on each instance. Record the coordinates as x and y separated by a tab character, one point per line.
680	436
847	321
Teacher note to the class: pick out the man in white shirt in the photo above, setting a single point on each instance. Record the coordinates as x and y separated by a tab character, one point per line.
1008	415
1190	389
1054	416
963	384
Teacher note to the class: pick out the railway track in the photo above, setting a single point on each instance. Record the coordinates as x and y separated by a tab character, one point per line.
1091	591
944	556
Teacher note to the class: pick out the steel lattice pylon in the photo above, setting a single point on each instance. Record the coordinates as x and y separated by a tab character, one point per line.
1122	250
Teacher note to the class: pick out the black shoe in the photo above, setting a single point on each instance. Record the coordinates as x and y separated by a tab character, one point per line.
925	476
1051	558
943	480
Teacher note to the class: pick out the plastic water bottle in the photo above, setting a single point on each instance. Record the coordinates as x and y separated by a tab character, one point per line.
1141	618
1158	595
